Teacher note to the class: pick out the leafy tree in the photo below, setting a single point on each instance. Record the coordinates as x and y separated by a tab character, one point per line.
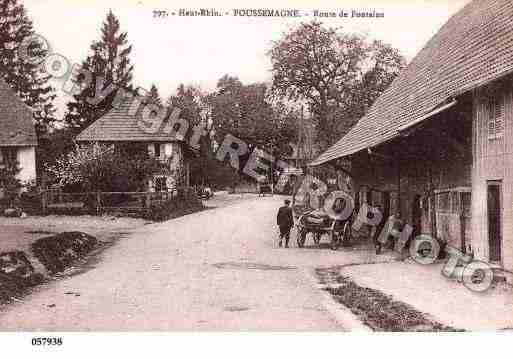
50	147
340	75
110	68
98	167
252	114
248	113
195	109
9	183
25	74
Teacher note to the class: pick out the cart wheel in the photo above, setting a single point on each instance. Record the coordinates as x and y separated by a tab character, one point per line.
317	238
335	240
301	238
347	234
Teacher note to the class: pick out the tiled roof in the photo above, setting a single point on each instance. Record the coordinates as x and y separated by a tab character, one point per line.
119	125
473	48
16	120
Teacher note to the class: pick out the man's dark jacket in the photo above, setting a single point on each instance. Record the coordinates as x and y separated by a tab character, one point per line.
284	218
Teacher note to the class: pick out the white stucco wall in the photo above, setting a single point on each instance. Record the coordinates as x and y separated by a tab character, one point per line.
27	161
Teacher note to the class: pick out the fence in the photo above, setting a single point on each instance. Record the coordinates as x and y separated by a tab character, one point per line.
54	200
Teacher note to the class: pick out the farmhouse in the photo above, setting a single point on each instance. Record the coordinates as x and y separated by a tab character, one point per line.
18	138
120	128
437	146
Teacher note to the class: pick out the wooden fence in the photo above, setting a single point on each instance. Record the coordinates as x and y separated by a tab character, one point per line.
55	200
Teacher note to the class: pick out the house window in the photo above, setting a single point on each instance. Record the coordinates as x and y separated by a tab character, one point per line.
495	118
161	184
157	150
7	156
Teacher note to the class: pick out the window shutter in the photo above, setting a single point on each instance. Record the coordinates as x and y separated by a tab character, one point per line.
499	118
496	118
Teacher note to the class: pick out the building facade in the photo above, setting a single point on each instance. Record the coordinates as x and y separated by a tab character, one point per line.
437	145
120	128
18	138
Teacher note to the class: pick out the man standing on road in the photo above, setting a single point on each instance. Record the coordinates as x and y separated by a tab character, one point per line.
285	221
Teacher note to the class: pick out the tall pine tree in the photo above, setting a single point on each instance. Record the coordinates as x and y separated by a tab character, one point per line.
26	78
110	67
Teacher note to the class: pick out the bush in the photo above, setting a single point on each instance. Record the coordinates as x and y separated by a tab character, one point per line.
184	203
10	185
100	167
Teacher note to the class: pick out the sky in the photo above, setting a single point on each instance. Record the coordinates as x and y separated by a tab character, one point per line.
171	50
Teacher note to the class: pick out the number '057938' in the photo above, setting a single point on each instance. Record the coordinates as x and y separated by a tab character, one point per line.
47	341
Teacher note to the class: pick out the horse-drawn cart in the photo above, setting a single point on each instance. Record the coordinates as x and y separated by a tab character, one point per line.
318	224
333	219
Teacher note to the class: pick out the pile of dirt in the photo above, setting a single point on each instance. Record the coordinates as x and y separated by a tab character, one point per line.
58	252
16	275
378	310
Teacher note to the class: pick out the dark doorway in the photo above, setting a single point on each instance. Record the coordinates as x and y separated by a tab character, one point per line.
369	197
386	204
357	202
416	215
494	219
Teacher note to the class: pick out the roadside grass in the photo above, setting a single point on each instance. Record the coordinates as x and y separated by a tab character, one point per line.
379	311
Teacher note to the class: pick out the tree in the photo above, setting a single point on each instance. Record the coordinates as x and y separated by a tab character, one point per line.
110	68
9	183
98	167
340	75
195	109
25	75
249	113
154	96
192	104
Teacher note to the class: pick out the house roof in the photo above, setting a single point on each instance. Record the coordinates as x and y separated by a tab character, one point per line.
119	125
473	48
16	119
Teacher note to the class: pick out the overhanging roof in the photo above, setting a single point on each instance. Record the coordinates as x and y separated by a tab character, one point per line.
16	119
473	48
427	116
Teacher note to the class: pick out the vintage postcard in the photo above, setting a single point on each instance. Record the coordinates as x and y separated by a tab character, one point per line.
275	166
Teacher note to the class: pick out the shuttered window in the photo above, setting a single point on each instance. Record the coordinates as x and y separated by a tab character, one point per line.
496	118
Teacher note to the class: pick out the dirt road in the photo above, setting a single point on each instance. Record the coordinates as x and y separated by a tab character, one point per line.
214	270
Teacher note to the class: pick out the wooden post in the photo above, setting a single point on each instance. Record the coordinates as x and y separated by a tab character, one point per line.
399	187
148	199
187	173
98	202
432	203
44	201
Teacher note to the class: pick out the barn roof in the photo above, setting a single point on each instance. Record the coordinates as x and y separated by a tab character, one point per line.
473	48
121	125
16	119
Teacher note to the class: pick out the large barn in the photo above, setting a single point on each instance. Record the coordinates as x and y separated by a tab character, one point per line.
437	146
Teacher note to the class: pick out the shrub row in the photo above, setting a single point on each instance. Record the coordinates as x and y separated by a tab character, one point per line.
183	204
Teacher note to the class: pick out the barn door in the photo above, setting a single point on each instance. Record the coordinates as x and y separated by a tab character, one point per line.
495	220
416	215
